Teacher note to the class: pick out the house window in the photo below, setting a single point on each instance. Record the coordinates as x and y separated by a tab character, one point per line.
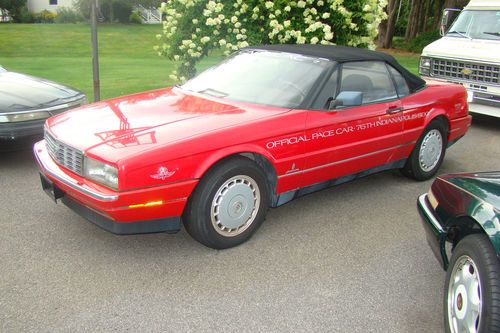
52	2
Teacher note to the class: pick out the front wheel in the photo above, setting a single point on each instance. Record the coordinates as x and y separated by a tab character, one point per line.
428	154
228	205
472	289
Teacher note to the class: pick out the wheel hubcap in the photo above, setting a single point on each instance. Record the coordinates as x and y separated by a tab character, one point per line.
235	205
430	150
464	297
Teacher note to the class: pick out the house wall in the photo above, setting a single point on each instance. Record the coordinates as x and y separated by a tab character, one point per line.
36	6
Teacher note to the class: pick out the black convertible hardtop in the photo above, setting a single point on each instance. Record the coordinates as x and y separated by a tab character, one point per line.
343	54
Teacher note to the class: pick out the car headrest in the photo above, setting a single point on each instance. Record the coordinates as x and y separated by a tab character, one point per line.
357	82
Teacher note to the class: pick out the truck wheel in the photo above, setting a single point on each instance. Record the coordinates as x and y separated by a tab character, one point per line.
472	289
228	205
428	154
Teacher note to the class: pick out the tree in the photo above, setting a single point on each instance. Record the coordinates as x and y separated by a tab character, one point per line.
388	27
192	28
111	10
13	6
422	10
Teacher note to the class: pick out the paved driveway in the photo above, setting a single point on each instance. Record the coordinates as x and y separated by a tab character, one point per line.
352	258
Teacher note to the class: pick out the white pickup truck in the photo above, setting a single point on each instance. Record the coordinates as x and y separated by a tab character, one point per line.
469	54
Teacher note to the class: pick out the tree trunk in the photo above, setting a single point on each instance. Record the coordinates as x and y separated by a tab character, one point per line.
111	12
420	18
426	13
438	13
412	27
382	32
388	27
391	23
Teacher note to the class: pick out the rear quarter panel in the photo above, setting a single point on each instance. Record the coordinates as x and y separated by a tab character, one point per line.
437	99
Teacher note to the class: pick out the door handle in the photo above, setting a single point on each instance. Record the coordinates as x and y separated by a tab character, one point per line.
394	110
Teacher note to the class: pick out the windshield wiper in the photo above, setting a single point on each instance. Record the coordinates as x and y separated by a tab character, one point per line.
497	34
459	33
213	92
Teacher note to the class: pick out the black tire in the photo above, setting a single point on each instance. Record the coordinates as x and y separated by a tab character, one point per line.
475	249
413	167
236	182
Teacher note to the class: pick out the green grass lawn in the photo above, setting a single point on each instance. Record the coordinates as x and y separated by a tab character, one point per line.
409	61
62	53
128	63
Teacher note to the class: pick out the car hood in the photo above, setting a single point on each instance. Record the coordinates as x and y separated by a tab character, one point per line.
19	92
481	50
126	126
483	185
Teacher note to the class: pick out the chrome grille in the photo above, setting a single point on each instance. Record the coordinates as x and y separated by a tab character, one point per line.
64	155
474	72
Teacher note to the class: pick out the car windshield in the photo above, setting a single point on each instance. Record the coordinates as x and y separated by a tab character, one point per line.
477	24
261	77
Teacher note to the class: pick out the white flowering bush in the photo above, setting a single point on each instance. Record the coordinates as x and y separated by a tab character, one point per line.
191	28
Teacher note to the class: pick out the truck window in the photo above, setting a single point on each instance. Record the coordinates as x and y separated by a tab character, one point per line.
479	24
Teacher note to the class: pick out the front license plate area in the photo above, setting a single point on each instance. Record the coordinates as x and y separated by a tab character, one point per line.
52	191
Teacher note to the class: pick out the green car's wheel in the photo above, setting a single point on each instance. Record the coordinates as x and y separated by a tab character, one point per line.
228	205
472	289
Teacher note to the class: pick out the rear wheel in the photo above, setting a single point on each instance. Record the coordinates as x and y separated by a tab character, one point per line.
428	154
228	205
472	289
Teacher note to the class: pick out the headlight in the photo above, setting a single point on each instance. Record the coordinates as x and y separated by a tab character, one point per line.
100	172
17	117
432	199
425	66
425	62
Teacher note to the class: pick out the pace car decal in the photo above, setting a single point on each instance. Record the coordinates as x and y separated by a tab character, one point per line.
342	130
163	173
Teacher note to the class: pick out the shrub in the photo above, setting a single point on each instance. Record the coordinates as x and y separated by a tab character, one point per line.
120	11
192	28
68	15
25	16
44	17
135	18
14	8
418	43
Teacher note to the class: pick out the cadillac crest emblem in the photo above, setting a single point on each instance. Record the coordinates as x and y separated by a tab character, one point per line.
163	173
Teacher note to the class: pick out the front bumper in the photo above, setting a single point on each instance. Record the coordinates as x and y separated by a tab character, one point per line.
434	231
24	129
120	212
484	109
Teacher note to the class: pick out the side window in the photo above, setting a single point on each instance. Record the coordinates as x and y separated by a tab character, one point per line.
401	85
369	77
327	93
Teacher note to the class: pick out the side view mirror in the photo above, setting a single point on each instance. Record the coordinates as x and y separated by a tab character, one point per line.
449	15
346	98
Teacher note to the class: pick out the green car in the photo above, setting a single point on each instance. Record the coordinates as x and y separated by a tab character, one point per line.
461	217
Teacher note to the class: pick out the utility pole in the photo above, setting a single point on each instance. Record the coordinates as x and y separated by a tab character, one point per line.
95	51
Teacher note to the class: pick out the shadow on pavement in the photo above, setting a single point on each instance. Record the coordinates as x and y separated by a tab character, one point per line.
486	122
16	154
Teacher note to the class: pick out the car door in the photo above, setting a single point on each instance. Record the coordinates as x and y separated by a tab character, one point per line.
348	140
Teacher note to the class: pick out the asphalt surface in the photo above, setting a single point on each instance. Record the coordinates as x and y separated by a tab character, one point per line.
352	258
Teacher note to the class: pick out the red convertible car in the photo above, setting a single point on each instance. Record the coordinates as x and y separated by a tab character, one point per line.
265	126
